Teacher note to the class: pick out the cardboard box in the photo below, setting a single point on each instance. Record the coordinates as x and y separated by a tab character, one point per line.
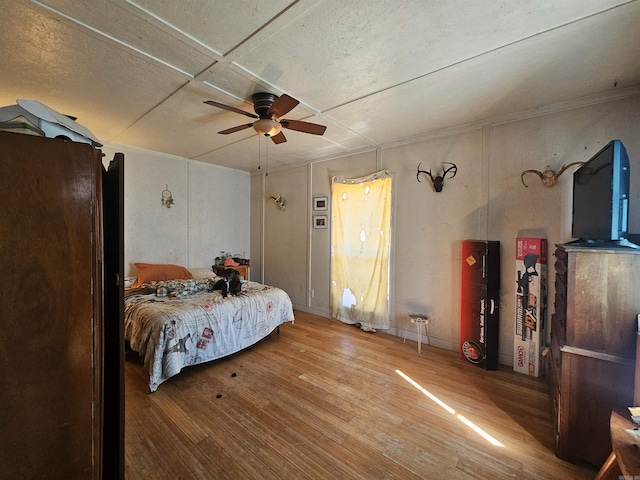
52	123
531	305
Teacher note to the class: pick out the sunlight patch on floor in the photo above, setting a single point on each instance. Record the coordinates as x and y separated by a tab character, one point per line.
464	420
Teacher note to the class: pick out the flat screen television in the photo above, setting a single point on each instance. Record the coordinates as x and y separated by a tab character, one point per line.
601	198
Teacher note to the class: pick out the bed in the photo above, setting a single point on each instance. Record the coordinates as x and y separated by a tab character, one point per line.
180	322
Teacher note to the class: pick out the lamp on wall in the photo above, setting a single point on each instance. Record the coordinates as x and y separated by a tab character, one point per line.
278	200
167	197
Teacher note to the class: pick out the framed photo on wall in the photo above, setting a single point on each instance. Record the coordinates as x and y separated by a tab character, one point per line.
320	203
320	221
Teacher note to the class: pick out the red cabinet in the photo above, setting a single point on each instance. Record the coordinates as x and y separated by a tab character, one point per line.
479	309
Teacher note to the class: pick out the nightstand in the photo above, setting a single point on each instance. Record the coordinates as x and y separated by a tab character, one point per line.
243	270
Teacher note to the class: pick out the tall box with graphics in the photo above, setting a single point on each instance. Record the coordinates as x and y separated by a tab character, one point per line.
531	305
479	309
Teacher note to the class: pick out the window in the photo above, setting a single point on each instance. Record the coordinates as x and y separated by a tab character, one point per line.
360	246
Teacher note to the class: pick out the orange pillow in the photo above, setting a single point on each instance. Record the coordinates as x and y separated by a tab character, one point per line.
149	272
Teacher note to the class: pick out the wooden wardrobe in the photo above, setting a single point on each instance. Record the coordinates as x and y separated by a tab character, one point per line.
61	354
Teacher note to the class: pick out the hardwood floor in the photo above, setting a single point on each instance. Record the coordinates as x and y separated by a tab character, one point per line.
324	400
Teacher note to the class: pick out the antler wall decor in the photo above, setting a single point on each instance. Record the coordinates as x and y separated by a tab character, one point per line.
278	200
438	180
549	177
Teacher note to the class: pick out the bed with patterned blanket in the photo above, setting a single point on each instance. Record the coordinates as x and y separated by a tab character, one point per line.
174	324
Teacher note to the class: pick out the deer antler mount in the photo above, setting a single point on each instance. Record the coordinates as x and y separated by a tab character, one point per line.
278	200
549	177
438	180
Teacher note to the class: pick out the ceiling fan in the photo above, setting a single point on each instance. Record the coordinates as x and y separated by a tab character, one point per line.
269	108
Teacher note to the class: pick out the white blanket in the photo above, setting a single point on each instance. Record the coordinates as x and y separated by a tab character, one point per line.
174	332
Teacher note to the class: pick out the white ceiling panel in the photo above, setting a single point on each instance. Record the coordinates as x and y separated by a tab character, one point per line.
544	69
77	72
221	25
120	22
375	72
354	49
189	127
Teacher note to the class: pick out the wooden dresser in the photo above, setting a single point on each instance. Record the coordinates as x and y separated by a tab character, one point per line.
593	342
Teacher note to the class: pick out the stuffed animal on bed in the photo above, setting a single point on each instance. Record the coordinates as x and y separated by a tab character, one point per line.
229	283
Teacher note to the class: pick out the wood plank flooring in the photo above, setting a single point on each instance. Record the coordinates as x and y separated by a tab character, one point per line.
324	400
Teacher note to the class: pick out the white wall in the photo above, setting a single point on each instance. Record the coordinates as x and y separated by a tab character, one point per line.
430	227
211	210
555	139
284	241
222	209
486	200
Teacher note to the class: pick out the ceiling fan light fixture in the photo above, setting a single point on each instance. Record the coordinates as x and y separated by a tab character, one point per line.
267	127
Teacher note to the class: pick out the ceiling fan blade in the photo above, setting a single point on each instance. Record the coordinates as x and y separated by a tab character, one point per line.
279	138
304	127
283	105
230	108
236	129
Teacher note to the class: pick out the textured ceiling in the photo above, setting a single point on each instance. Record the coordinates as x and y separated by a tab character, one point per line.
374	72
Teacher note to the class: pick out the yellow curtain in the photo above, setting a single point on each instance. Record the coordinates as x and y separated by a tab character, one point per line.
360	242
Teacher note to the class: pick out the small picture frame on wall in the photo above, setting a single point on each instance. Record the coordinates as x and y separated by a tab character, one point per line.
320	203
320	221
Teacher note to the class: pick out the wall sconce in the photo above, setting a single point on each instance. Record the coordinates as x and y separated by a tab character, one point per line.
167	197
438	180
548	177
278	200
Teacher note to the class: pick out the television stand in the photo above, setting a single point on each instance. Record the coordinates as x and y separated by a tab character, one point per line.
590	243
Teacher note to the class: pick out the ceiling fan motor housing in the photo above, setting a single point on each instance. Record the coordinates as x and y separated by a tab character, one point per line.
262	102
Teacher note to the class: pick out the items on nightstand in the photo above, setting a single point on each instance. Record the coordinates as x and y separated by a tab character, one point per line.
420	320
623	462
243	270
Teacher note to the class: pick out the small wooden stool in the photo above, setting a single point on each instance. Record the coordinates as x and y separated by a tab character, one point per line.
420	320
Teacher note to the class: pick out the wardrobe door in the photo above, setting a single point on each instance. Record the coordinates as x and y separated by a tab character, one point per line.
50	345
113	219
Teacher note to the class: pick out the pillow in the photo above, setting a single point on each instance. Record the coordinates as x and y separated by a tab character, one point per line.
150	272
202	273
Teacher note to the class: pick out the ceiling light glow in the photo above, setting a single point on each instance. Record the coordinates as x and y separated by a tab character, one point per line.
267	127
